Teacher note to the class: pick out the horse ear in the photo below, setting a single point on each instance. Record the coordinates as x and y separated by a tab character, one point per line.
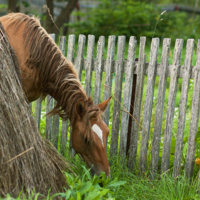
80	108
104	104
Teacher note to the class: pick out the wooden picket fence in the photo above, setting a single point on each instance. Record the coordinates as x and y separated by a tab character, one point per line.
130	67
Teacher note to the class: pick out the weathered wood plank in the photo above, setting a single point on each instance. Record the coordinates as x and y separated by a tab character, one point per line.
38	111
79	61
137	105
182	107
127	96
64	131
70	48
108	75
117	95
190	158
89	63
55	126
98	69
148	103
171	106
49	107
70	57
80	52
159	108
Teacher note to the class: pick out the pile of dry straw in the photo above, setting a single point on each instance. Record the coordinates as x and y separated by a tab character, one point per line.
27	161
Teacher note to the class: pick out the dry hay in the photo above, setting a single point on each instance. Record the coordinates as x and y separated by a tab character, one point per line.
27	162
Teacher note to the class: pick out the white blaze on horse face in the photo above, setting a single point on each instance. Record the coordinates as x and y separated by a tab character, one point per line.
98	131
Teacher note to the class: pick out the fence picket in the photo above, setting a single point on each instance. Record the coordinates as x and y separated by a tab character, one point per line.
70	57
171	105
148	103
159	108
80	52
108	75
38	111
89	63
137	104
98	69
182	107
64	131
49	107
118	88
55	126
127	95
194	119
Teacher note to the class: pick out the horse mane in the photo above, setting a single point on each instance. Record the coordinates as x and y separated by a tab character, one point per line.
52	73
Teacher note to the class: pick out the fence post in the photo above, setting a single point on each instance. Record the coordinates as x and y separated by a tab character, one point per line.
118	88
98	69
127	95
148	103
70	57
171	105
137	105
159	107
108	75
89	63
194	119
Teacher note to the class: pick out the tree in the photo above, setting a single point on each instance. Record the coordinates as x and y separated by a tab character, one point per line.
28	162
65	13
12	6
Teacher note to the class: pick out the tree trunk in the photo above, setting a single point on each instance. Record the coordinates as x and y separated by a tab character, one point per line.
12	6
63	16
27	162
49	15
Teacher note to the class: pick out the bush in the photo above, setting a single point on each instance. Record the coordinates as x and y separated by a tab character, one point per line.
132	18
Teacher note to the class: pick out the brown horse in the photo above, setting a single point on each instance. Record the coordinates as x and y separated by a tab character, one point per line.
45	70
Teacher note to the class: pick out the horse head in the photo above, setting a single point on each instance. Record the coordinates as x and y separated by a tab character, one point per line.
89	135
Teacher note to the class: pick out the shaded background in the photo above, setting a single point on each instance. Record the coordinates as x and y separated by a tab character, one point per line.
114	17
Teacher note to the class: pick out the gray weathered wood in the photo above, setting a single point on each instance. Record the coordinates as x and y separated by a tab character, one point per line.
108	75
98	69
148	103
89	63
169	71
182	107
137	105
190	158
62	44
64	131
127	96
70	48
159	107
80	53
55	126
38	111
49	107
70	57
117	101
171	106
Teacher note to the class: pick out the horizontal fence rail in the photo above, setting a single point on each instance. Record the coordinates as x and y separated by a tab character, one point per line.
115	77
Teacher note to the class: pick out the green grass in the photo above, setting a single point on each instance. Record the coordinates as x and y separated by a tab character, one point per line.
123	185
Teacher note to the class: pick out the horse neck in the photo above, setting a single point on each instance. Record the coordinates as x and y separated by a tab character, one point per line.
64	86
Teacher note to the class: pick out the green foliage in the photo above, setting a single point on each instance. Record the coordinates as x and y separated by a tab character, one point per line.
88	188
136	18
119	18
